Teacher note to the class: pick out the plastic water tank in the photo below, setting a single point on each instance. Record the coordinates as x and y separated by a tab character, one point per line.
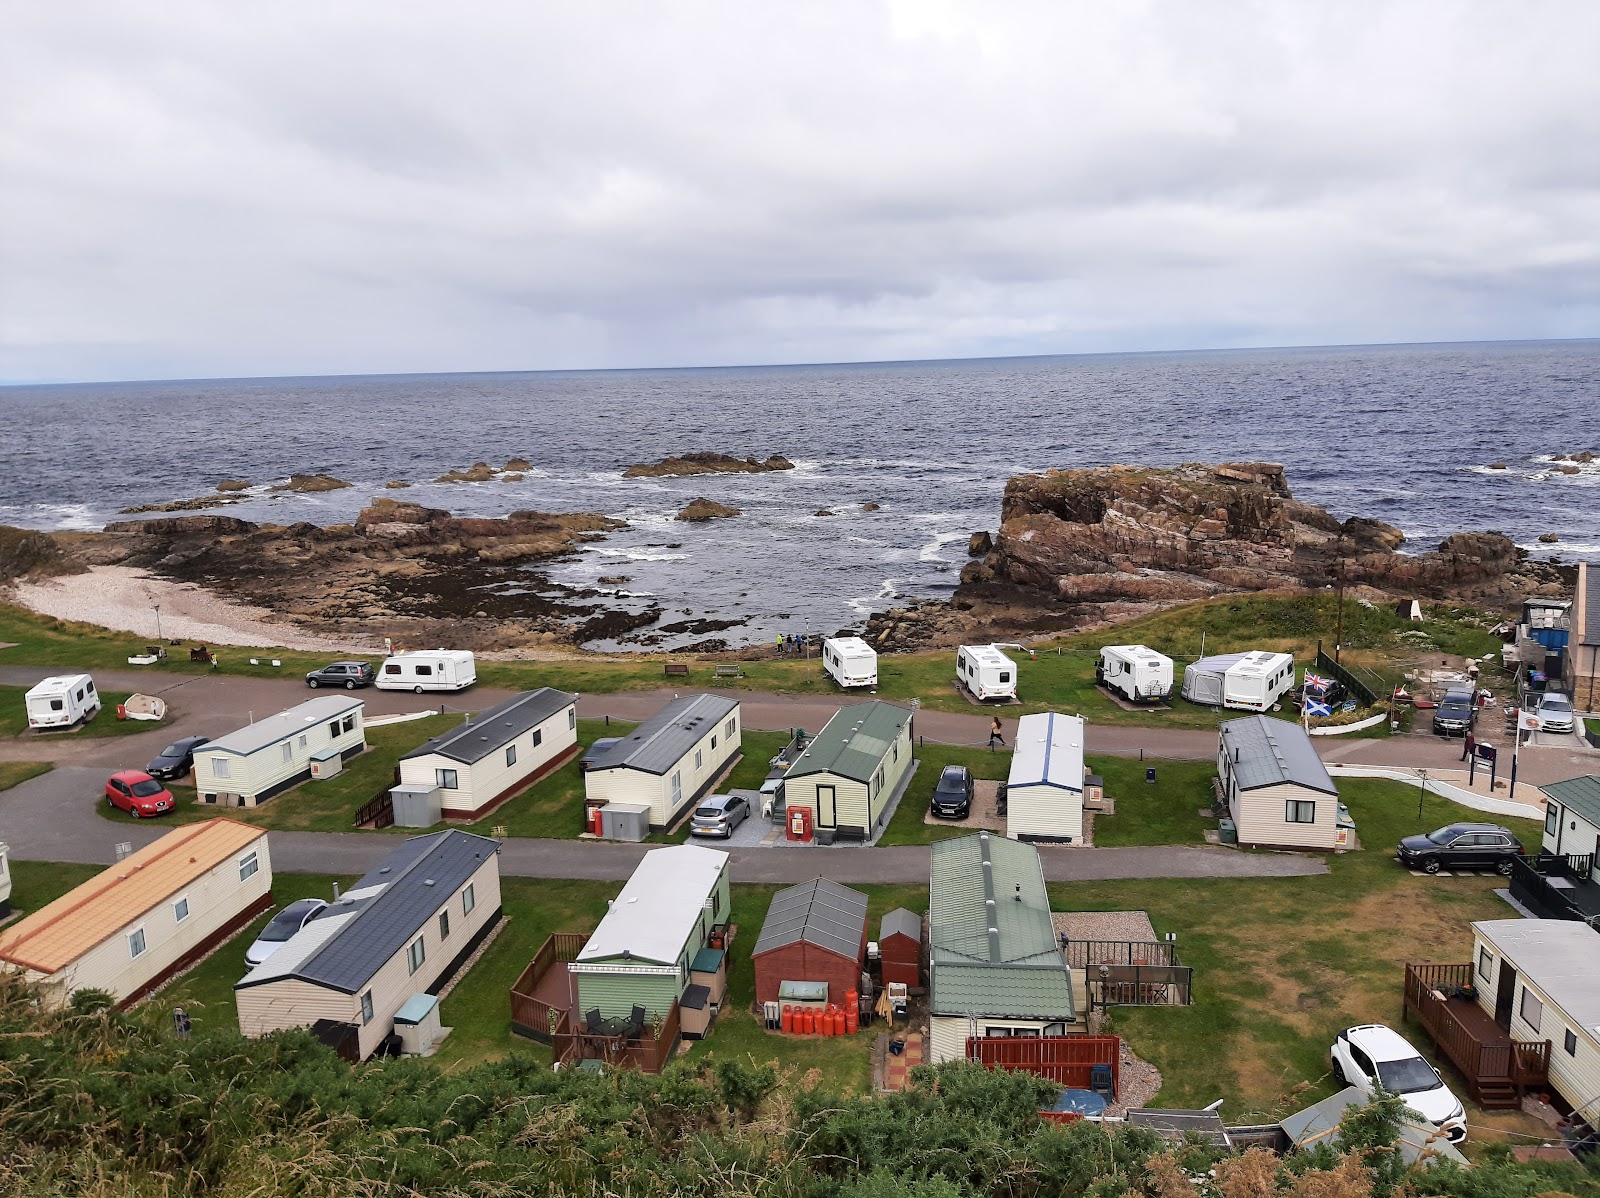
1229	832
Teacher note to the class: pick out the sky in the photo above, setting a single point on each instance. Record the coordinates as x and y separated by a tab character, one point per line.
193	189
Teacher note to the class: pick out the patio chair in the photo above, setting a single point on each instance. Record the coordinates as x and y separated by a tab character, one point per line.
1100	1081
636	1022
592	1020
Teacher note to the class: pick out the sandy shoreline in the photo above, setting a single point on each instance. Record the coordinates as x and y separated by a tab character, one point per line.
123	598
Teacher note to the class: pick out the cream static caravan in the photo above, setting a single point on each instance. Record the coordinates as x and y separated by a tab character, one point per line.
249	766
670	761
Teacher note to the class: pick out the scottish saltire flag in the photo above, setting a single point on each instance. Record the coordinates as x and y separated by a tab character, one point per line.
1317	681
1313	707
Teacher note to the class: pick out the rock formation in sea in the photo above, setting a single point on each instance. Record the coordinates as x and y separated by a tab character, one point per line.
311	483
698	511
706	463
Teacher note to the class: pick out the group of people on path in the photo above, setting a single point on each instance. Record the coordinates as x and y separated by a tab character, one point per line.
789	643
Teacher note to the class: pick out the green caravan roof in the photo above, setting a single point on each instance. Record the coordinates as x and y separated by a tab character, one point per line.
1578	795
855	742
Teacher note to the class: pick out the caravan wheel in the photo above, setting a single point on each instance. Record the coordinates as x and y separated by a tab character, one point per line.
417	689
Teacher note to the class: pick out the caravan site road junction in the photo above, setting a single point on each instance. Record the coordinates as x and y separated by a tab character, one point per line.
51	817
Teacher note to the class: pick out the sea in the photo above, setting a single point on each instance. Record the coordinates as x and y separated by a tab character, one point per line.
1411	434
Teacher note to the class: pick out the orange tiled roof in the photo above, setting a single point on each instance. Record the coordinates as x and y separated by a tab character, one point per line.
60	933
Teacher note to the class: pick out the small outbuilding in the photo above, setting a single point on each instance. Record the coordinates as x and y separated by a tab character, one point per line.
494	755
851	770
253	764
1278	792
402	930
147	918
1044	790
668	762
900	947
814	932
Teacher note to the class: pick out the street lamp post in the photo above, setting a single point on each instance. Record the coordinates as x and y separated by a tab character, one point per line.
1422	792
158	623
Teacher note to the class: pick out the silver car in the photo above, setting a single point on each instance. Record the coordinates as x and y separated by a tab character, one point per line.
282	928
1555	713
718	815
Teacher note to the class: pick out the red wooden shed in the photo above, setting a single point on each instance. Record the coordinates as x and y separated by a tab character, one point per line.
814	932
900	947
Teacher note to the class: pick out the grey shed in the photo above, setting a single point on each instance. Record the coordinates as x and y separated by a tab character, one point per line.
900	922
817	912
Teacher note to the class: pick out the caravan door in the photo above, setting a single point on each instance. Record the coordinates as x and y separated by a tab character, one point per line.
827	807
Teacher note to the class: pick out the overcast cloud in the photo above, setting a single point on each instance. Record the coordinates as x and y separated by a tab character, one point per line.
201	189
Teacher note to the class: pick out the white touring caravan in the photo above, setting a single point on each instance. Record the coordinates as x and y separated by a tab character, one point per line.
1138	674
1244	681
850	661
985	672
62	701
429	670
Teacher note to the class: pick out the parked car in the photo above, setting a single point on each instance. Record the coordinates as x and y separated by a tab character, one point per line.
718	815
348	674
952	794
282	926
137	793
1455	713
1373	1057
1555	713
1461	846
177	759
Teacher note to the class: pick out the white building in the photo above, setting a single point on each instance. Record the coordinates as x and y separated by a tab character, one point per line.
1278	791
1044	791
147	918
1572	817
61	701
496	754
670	761
247	767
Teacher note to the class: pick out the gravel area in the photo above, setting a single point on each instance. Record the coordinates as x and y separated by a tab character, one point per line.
985	793
1103	925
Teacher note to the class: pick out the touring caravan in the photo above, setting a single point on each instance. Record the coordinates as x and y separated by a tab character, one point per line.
62	701
1245	681
985	672
850	661
1139	674
429	670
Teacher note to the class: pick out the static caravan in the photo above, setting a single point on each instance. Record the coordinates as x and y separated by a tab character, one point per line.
247	767
61	702
1572	817
1278	791
670	761
495	754
428	670
1244	681
851	770
403	930
995	967
1138	674
642	951
850	661
1044	791
1539	979
985	673
147	918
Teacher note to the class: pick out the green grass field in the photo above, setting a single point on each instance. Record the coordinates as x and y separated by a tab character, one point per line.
12	772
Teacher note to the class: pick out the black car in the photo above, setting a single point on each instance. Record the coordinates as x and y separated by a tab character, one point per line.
1455	713
1460	846
177	759
952	795
348	674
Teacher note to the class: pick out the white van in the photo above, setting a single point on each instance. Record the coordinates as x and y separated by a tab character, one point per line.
62	701
985	672
429	670
1138	674
850	661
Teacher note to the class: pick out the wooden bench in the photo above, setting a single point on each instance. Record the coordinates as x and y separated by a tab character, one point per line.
676	669
730	672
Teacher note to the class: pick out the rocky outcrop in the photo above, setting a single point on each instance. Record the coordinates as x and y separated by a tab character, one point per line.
515	470
869	507
706	463
397	484
698	511
233	484
26	553
198	504
979	543
311	483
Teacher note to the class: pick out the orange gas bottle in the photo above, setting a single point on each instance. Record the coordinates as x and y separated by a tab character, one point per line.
852	1021
852	1002
840	1021
802	1021
788	1018
811	1022
827	1020
596	821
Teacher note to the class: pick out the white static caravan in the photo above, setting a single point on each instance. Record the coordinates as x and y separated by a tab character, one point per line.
62	701
1044	791
670	761
1278	792
247	767
985	672
850	661
1138	674
1244	681
428	670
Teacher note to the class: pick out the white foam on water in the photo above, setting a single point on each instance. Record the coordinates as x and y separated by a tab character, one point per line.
865	605
640	555
930	552
52	517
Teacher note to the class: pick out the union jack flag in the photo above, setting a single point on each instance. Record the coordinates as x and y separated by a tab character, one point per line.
1317	682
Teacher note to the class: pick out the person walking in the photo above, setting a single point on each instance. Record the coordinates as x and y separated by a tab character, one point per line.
996	733
1467	743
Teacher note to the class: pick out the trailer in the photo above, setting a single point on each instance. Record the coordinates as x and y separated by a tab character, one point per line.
1139	674
985	673
850	661
429	670
61	702
1245	681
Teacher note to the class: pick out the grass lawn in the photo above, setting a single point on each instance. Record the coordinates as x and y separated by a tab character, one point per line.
1166	811
14	718
553	806
12	772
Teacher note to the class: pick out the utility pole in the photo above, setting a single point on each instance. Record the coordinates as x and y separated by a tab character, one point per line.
1338	635
158	623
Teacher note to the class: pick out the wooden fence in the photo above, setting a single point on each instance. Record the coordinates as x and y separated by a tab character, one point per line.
648	1054
530	1015
1065	1060
1497	1068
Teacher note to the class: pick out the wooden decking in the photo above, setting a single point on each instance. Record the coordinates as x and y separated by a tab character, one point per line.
544	992
1498	1070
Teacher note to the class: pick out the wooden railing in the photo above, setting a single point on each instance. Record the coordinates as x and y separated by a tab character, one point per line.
1495	1071
1065	1060
531	1016
1530	885
1131	973
649	1053
377	811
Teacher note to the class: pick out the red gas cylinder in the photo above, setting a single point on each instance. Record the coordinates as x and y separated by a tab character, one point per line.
788	1018
596	822
827	1019
811	1021
852	1021
802	1021
841	1022
852	1001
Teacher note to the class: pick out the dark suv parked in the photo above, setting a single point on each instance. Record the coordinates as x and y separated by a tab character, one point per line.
1455	713
348	674
952	795
1460	846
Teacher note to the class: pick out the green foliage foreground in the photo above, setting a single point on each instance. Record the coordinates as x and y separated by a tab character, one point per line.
93	1102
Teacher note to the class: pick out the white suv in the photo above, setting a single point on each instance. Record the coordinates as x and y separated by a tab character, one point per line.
1373	1056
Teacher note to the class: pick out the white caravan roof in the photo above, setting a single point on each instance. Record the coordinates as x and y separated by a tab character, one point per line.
986	655
284	724
58	684
652	918
1139	653
1049	752
851	646
448	654
1260	663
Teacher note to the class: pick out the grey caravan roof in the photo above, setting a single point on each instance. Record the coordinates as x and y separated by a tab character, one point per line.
1049	752
274	728
659	743
491	731
817	912
1267	752
361	931
1202	680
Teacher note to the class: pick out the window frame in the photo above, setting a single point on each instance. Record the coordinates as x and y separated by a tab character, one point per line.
1529	997
221	767
249	866
367	1009
511	756
1485	963
138	934
1292	808
469	898
416	955
1552	819
444	924
447	779
1569	1042
181	901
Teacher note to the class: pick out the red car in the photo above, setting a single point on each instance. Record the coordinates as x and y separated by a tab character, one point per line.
137	793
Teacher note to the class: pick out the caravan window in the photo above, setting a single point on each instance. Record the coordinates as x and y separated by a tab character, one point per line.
572	717
89	688
137	944
220	767
1299	811
728	727
249	865
423	671
511	754
57	704
80	694
334	728
288	751
538	736
416	954
445	779
391	668
1552	820
698	758
1005	675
